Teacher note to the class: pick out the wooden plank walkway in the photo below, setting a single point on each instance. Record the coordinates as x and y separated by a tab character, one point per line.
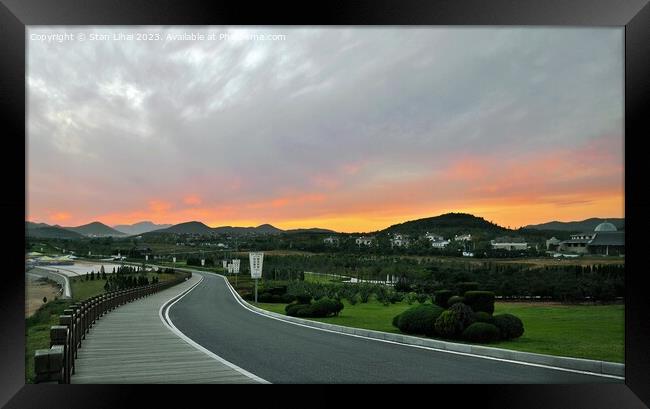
132	345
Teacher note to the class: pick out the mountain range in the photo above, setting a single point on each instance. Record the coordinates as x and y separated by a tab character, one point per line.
97	229
586	225
139	228
446	224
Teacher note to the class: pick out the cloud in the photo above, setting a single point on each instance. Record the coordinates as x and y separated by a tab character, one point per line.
365	117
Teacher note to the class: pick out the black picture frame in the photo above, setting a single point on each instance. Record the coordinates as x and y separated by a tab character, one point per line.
634	15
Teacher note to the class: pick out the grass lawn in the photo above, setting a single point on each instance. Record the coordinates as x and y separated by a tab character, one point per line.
579	331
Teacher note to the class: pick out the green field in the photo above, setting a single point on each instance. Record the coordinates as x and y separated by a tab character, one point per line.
579	331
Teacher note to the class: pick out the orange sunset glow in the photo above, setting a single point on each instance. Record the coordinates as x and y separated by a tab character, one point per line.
345	129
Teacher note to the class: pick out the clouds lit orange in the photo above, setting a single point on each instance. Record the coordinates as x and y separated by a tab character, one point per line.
318	133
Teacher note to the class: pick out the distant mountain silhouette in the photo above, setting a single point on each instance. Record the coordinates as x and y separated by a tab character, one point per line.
587	225
44	231
140	227
95	229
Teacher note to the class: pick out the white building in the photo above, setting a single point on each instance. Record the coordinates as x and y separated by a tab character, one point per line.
331	240
433	237
509	243
440	244
463	237
366	241
437	242
399	240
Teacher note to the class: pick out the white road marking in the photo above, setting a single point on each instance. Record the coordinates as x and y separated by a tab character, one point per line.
168	322
248	307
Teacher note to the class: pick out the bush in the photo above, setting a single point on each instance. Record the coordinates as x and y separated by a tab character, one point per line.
353	298
419	320
411	298
279	290
422	298
482	316
395	297
480	301
303	298
463	287
293	309
402	286
509	325
442	297
455	299
325	307
447	325
464	315
396	320
287	298
481	332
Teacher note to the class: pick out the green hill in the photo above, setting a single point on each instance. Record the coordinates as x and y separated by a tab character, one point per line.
449	225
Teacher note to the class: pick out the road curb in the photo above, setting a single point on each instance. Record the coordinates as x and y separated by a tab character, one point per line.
577	364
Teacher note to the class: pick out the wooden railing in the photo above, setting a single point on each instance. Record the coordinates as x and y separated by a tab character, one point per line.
56	365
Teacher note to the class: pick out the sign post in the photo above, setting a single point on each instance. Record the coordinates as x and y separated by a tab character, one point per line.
256	259
235	268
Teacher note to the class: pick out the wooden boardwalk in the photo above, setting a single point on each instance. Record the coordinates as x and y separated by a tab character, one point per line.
132	345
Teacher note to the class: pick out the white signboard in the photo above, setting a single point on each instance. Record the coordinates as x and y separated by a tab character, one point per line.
235	265
229	267
146	257
174	259
225	263
256	260
202	262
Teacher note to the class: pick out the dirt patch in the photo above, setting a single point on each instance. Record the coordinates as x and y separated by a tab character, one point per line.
35	291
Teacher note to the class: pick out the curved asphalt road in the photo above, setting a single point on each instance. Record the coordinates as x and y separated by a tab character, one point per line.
286	353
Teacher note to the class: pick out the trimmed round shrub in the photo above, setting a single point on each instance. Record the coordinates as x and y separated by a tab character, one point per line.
395	320
481	332
455	299
441	297
279	290
287	298
463	287
292	310
303	298
324	307
447	325
509	325
482	316
464	315
480	301
419	319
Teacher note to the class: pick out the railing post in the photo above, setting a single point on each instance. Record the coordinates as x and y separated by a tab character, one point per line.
60	336
68	322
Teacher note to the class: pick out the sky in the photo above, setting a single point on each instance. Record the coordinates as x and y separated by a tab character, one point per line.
352	129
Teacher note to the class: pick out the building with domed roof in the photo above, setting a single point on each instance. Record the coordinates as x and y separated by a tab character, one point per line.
605	239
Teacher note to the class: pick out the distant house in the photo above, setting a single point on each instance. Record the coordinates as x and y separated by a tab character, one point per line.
605	240
364	240
437	241
552	244
141	251
509	243
463	237
433	237
399	240
331	240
